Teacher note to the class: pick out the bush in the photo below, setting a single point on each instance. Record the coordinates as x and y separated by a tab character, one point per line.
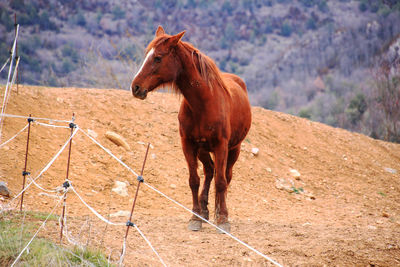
356	108
80	19
323	6
118	13
67	66
45	23
384	10
362	7
286	29
305	113
311	24
69	52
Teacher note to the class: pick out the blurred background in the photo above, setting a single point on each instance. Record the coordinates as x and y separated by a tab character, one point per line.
335	62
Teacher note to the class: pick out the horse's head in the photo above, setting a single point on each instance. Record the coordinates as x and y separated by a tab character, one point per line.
160	66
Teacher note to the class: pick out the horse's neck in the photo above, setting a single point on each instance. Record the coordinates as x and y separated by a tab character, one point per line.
192	86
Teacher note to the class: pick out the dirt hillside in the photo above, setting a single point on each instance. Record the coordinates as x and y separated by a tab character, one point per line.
312	196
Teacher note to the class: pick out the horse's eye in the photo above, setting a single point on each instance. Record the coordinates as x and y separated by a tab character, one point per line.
157	59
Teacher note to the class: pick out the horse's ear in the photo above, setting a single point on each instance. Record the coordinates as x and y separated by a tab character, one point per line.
160	31
176	38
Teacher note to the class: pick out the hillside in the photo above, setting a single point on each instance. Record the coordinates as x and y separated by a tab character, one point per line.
342	210
315	59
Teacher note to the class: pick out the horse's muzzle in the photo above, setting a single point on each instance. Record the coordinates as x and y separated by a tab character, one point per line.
139	92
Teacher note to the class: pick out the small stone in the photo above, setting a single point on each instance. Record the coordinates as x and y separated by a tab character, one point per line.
145	144
121	213
153	156
173	186
269	170
371	227
282	184
385	214
60	100
120	188
295	174
390	170
4	190
255	151
309	195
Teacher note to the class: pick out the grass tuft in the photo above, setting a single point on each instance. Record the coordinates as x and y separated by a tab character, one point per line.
14	235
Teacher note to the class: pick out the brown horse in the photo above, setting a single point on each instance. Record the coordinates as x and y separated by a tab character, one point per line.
214	116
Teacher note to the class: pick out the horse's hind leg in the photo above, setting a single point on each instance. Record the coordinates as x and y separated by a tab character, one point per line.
221	185
222	222
233	155
208	168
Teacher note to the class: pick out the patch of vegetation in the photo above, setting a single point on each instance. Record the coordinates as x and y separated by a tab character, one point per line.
305	113
14	236
297	190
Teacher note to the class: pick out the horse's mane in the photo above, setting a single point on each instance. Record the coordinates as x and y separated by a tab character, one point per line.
206	67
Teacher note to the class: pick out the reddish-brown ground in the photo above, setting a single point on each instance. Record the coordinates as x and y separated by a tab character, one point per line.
345	210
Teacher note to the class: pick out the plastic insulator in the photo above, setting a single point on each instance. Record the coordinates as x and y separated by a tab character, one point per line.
66	184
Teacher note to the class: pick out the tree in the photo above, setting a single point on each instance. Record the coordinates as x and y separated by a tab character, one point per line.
387	92
356	108
311	24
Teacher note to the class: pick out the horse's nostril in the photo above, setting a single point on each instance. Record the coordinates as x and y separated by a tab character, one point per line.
137	88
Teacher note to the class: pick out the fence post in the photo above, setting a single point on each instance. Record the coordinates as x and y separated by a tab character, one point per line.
72	125
129	222
25	173
16	46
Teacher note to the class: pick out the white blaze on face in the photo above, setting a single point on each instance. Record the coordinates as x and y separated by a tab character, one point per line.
144	62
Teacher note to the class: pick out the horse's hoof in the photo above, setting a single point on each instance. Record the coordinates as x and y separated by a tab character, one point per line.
224	226
194	225
205	214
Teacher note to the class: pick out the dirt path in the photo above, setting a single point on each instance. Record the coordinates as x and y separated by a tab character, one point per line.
343	209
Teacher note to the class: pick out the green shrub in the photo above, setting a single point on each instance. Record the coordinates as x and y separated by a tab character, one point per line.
286	29
305	113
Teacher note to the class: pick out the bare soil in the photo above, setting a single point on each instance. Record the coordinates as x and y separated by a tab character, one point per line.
343	210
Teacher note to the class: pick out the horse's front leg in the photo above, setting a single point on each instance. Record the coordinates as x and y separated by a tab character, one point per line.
208	168
221	186
190	151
